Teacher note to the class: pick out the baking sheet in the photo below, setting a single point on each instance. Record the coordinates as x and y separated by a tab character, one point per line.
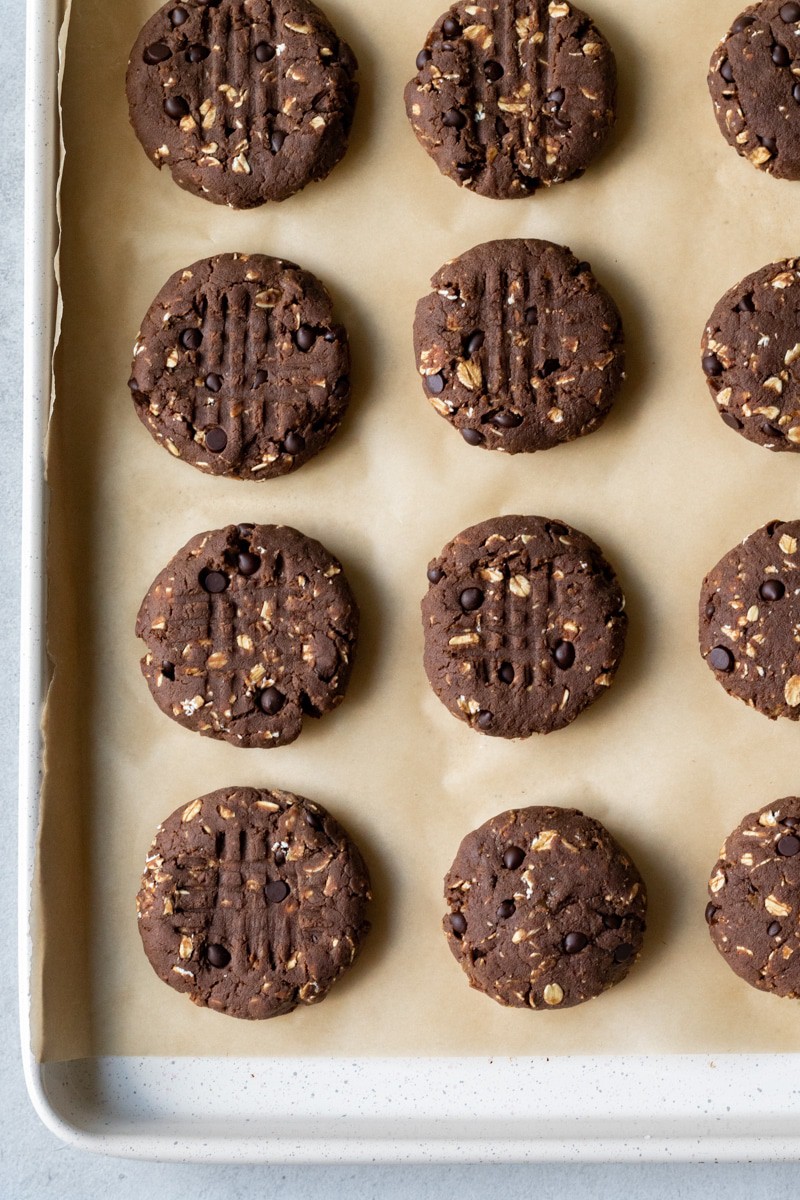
669	218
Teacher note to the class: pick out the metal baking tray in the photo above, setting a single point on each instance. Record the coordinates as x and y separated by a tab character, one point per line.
601	1108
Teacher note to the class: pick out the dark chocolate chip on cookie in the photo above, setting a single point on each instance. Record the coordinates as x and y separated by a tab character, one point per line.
252	902
545	908
249	630
524	625
240	367
513	95
754	894
749	617
754	86
751	356
243	100
518	346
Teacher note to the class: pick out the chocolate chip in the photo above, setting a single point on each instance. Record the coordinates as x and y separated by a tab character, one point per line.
213	382
475	342
294	443
435	384
726	71
623	952
712	365
458	924
177	16
484	719
305	337
742	23
261	378
435	575
342	388
493	70
465	171
564	655
471	599
730	420
575	942
781	56
276	140
197	53
790	13
314	819
746	303
264	52
711	912
721	659
216	439
556	98
790	822
279	858
472	437
581	268
774	929
156	52
247	563
788	846
506	420
612	921
213	581
191	339
176	107
769	143
451	28
217	956
505	673
513	858
271	701
710	610
423	57
454	119
168	671
772	590
531	315
277	891
506	909
796	92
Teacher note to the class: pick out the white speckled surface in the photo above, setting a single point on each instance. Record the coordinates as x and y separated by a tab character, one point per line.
33	1163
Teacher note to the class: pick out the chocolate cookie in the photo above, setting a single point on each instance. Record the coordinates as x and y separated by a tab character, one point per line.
249	630
751	356
755	899
252	902
244	100
513	95
524	625
754	85
240	368
518	346
749	616
545	909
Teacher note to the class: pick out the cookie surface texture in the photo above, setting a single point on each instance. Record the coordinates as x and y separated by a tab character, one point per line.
249	630
754	897
513	95
252	902
518	346
554	913
524	625
755	88
239	367
243	100
749	616
751	356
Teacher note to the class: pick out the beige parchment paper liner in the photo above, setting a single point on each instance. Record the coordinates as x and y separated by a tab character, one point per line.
669	219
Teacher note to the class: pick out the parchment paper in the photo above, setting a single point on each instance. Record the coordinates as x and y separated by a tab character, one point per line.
669	218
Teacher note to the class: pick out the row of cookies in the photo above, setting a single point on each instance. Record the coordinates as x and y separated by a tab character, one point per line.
241	368
247	101
254	902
